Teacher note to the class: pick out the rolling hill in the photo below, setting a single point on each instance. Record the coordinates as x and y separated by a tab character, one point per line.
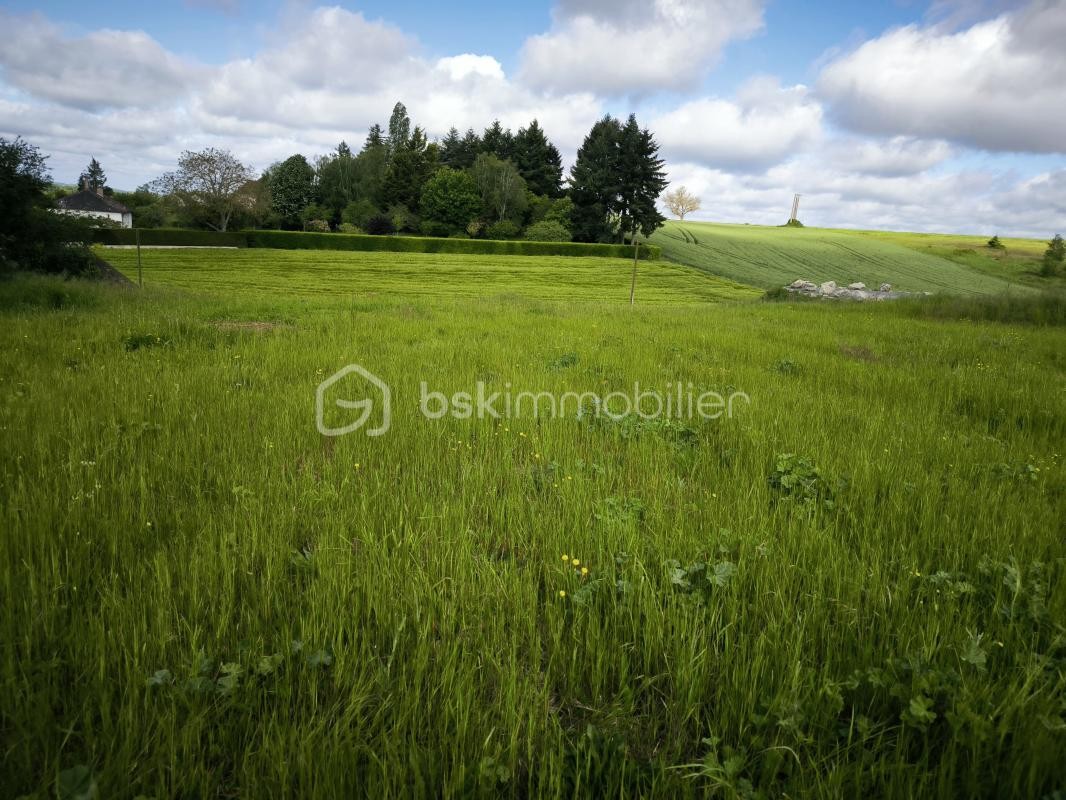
770	257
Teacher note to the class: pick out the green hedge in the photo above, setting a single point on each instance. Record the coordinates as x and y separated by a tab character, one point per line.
296	240
171	237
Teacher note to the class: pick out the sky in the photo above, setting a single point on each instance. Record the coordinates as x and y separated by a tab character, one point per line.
925	115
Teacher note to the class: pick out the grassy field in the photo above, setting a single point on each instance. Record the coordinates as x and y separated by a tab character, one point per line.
851	588
773	257
335	273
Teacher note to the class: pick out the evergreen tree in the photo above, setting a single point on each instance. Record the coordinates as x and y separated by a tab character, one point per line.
498	141
408	170
93	178
470	147
292	184
594	181
538	161
374	138
640	180
450	148
399	128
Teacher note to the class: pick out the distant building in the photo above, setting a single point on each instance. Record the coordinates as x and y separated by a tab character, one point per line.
94	203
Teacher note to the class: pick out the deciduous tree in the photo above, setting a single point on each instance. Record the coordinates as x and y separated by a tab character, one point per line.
681	202
207	184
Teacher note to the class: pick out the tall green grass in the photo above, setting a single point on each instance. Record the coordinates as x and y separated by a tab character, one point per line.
852	588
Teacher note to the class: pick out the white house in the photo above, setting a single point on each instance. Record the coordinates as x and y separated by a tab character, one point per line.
90	203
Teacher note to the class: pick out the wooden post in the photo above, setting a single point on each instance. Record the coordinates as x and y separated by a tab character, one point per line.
140	274
633	285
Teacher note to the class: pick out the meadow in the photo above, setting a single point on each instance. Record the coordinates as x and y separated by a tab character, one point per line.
333	272
853	587
770	257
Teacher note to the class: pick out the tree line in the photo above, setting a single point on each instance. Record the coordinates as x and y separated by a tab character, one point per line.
496	184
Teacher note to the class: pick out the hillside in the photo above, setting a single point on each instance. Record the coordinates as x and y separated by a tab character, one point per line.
769	257
339	273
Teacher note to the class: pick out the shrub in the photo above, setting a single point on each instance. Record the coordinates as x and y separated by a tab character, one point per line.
1053	257
296	240
430	227
359	212
172	237
403	219
316	226
347	227
380	225
502	230
995	243
547	231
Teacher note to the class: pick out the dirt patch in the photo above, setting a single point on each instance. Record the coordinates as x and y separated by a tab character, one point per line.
258	326
858	352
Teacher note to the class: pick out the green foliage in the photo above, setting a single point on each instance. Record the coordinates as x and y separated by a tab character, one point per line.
291	188
359	212
504	229
170	237
594	181
32	236
547	231
640	181
408	170
503	192
538	161
995	244
399	129
498	142
450	198
94	177
460	152
1054	257
380	225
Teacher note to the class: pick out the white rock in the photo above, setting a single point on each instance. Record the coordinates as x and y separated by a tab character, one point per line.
828	287
856	285
885	287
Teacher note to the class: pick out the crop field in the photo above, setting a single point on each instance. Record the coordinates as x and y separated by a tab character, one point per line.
773	257
851	587
327	272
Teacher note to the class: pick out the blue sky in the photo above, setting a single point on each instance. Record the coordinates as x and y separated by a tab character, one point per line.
924	114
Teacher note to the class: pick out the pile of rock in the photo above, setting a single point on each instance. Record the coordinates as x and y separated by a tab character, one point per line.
853	291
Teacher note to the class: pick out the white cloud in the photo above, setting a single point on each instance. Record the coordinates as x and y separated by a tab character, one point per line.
634	47
766	124
997	85
105	69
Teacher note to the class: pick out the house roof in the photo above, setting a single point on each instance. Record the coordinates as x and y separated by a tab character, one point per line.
87	200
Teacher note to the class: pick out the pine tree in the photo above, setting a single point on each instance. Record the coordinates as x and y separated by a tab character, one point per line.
594	181
374	138
408	171
450	148
498	141
93	178
641	180
538	161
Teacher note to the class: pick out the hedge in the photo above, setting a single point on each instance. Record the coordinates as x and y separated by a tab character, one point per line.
172	237
297	240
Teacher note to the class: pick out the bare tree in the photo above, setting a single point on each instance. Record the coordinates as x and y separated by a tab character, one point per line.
212	184
681	201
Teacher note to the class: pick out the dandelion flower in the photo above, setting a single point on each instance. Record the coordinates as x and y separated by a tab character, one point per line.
575	562
566	557
562	593
584	570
